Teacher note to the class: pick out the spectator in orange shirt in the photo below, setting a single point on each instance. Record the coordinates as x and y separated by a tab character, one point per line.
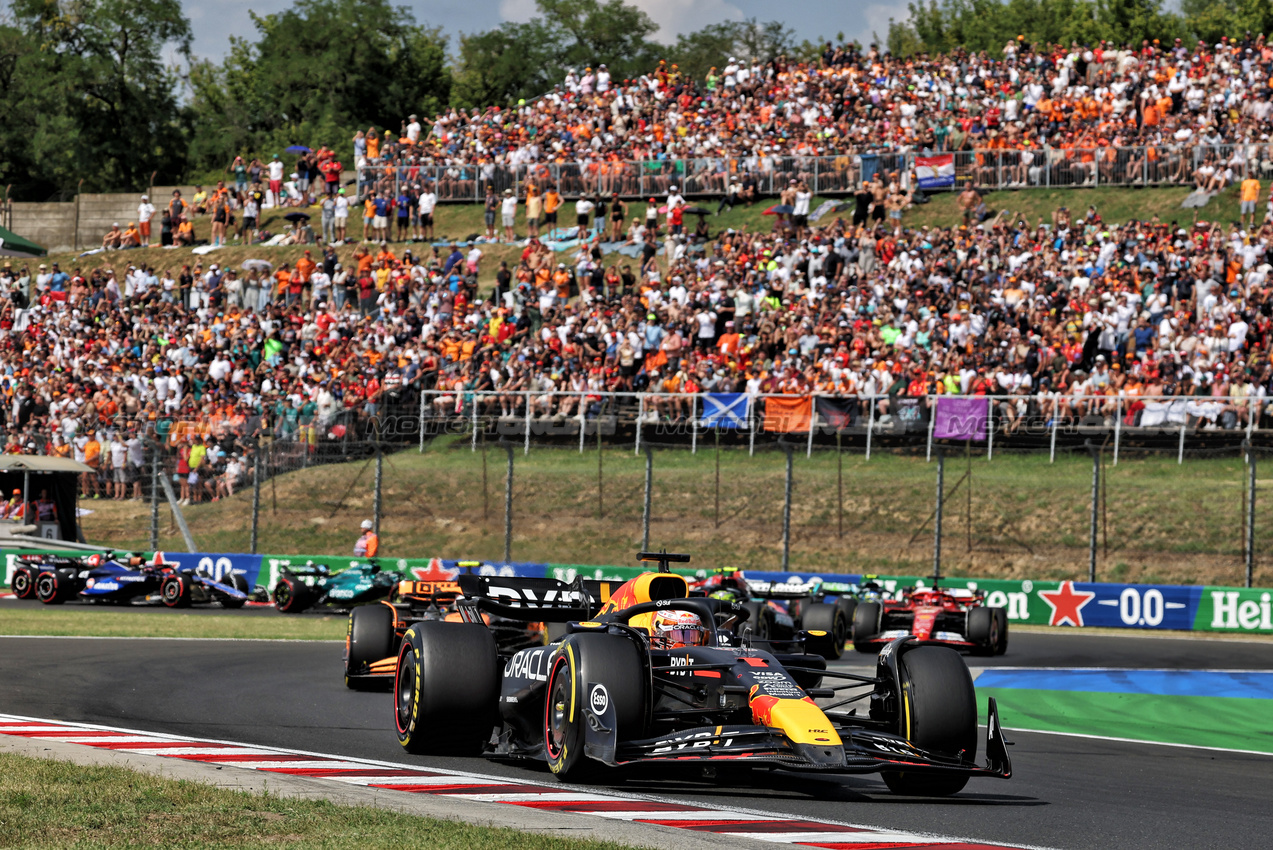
1250	196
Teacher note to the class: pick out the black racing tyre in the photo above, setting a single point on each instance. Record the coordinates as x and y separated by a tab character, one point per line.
983	631
369	639
23	583
240	584
849	606
1001	617
292	596
822	616
866	625
446	688
174	591
51	587
761	620
939	715
586	670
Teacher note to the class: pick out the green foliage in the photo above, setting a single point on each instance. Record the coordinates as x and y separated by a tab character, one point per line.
698	52
318	71
525	60
86	94
990	24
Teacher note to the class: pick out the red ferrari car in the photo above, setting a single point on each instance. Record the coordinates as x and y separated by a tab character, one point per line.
959	619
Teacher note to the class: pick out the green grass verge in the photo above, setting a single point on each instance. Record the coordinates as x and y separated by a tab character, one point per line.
57	804
1227	722
26	618
459	221
1021	518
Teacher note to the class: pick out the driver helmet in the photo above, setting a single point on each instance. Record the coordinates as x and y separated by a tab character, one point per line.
94	561
675	629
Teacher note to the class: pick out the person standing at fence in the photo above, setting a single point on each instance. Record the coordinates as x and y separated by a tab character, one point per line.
368	545
1250	197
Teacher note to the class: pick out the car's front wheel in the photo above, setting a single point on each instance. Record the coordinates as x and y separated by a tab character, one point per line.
446	687
939	715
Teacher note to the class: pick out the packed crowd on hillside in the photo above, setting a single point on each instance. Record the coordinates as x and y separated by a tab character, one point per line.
1061	318
744	119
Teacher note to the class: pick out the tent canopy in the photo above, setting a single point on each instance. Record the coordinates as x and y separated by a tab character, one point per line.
13	245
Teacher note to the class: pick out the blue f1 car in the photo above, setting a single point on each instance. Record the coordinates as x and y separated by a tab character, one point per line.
97	578
183	587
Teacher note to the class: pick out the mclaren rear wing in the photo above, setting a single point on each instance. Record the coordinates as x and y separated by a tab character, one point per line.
545	600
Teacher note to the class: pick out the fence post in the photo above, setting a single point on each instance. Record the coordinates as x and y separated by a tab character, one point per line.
154	497
649	487
813	421
380	475
601	490
694	425
474	446
1180	455
423	396
583	423
786	509
839	488
256	495
508	506
640	416
1096	503
941	497
932	423
717	516
990	429
870	427
526	448
1118	426
751	426
1052	451
1250	515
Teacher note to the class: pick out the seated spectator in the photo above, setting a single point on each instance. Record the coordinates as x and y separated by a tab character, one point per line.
114	237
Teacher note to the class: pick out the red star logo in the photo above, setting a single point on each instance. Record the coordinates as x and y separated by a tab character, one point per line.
433	572
1067	604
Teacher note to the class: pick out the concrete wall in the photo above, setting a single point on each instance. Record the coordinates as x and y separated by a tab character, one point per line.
50	225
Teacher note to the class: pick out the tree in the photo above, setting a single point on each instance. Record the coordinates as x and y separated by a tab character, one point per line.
526	60
319	70
713	45
88	80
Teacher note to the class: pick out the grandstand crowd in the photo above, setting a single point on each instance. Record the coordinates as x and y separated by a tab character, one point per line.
1082	102
1061	319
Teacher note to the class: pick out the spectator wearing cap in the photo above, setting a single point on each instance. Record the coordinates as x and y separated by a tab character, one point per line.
114	238
145	212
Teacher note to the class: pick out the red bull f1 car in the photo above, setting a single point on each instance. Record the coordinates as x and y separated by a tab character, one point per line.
959	619
620	689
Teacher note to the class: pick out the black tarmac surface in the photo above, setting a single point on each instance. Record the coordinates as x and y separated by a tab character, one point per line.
1067	792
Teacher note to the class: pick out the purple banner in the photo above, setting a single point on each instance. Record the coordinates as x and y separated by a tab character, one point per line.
961	418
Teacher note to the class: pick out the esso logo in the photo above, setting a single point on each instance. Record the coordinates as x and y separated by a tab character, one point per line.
215	570
599	699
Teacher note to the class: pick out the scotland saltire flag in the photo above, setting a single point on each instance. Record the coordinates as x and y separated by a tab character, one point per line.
725	410
935	172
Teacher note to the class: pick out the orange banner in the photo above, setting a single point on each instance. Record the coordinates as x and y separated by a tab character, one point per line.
788	414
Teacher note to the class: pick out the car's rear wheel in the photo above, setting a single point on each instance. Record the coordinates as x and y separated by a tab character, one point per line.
824	617
938	715
369	639
51	587
446	688
849	606
866	625
983	630
587	672
175	591
23	583
1001	616
292	596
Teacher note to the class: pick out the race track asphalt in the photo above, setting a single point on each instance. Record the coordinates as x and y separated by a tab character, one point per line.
1066	792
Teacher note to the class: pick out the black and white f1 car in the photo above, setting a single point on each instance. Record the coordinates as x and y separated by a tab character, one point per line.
613	692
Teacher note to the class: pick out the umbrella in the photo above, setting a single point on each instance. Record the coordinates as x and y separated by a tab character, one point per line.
696	211
296	149
257	265
297	216
829	207
780	209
